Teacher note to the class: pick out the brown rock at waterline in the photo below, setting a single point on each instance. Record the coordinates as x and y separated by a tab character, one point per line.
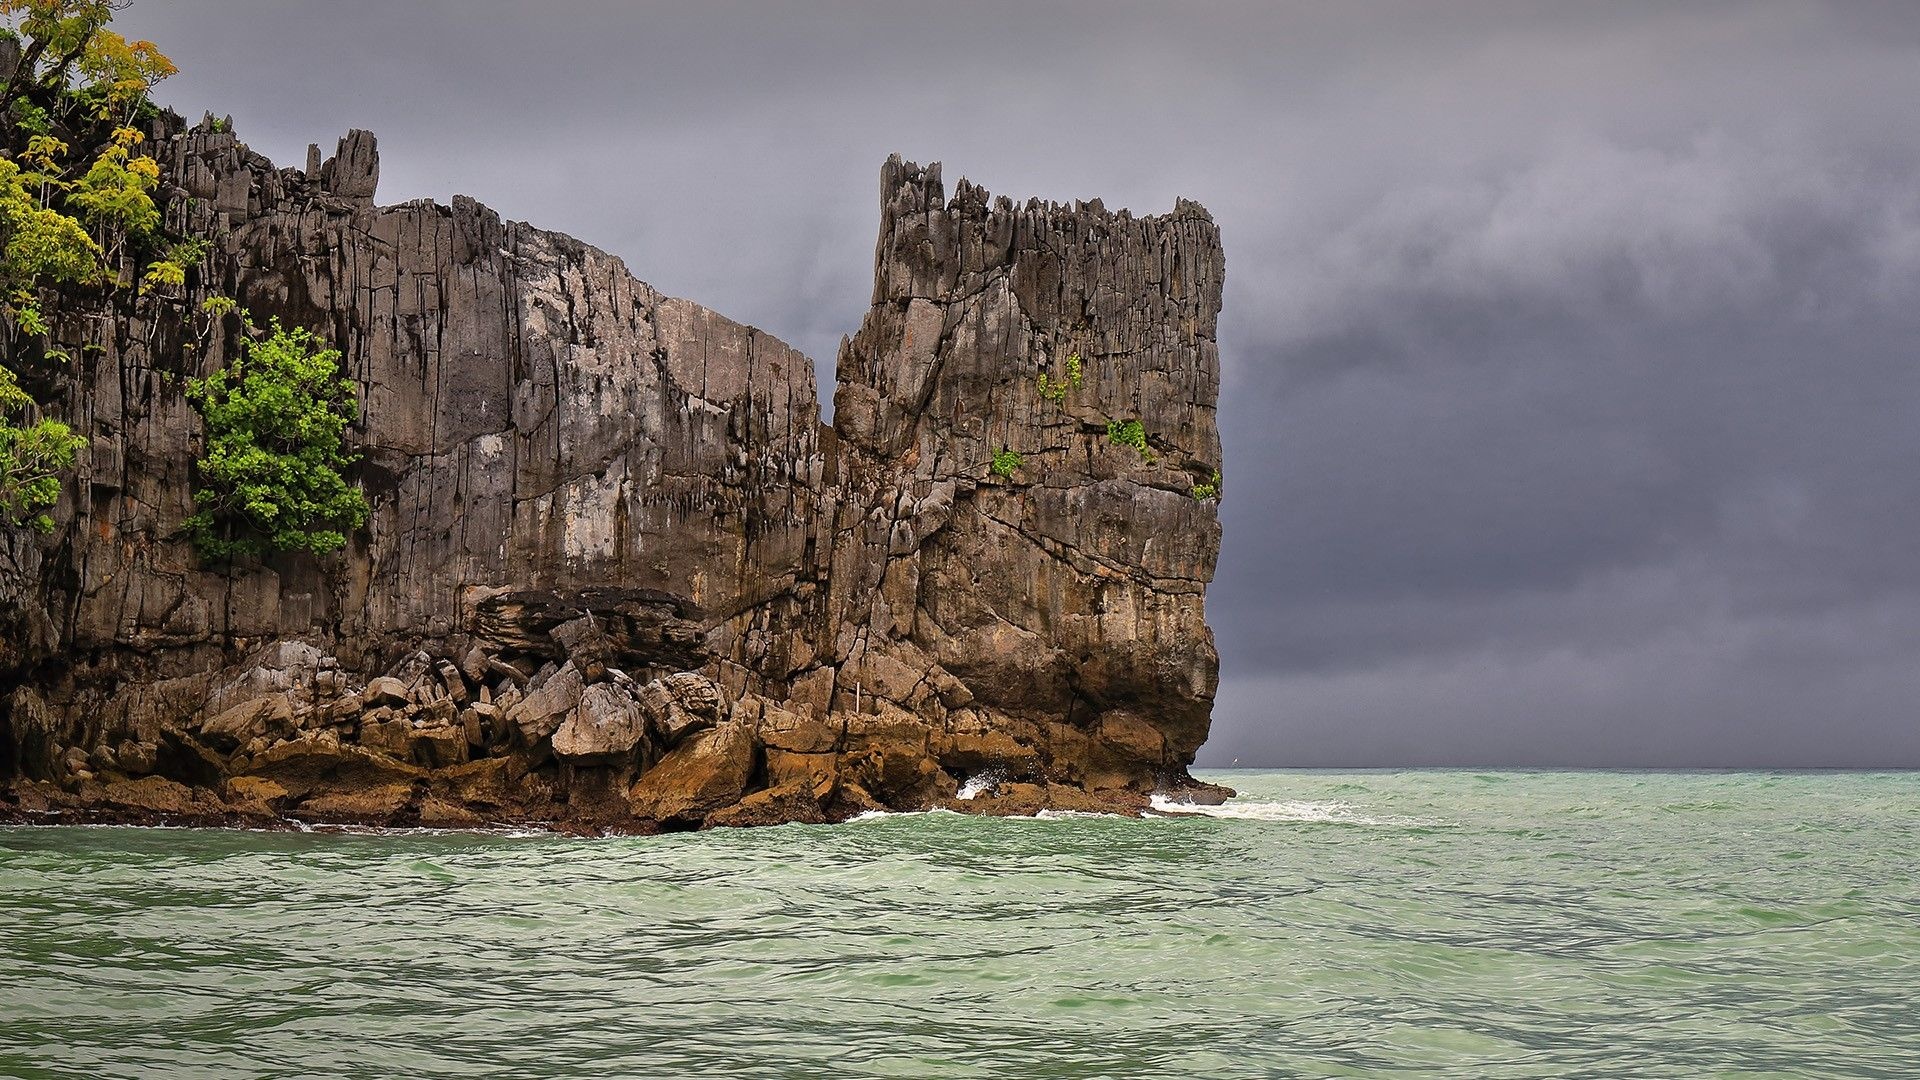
817	774
160	797
1199	793
704	773
793	803
314	764
376	804
442	814
1026	800
257	797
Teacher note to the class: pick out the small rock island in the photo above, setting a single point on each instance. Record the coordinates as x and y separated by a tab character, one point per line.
615	574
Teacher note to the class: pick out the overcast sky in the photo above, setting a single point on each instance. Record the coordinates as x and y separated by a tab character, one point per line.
1572	401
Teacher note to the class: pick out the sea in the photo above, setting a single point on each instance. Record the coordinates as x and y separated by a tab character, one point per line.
1321	924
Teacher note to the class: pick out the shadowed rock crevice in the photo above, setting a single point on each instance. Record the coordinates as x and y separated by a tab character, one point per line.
617	573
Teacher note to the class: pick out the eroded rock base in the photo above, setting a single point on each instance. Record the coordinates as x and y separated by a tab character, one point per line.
554	734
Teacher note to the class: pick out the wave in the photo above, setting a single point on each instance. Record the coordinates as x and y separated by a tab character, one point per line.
979	784
885	815
1289	811
1038	815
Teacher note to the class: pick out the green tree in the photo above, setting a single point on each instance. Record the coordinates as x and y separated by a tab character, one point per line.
65	219
114	194
272	473
32	458
72	66
38	246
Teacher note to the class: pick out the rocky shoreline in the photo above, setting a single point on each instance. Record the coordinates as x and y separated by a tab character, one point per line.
158	803
617	575
436	745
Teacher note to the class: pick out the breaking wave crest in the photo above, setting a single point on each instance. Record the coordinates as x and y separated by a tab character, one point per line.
1291	811
981	784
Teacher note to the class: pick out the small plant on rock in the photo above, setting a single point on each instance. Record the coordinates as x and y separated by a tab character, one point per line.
1208	490
1006	463
1131	433
1056	392
169	272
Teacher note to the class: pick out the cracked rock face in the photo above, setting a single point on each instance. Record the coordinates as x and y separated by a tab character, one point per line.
1070	590
617	572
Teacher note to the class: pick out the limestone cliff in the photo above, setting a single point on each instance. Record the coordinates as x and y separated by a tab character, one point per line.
617	571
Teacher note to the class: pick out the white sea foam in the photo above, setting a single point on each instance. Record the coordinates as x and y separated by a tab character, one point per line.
1038	815
981	784
884	815
1070	815
1315	813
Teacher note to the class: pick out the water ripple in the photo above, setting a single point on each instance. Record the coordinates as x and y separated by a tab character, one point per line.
1324	924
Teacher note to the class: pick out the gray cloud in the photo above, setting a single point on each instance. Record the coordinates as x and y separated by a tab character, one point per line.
1607	460
1569	348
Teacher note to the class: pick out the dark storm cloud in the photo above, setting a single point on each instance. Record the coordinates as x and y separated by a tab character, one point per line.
1569	349
1606	459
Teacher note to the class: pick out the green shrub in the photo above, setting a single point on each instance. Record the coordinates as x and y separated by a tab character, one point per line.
1056	392
1006	462
272	473
169	272
1131	433
30	118
31	459
1208	490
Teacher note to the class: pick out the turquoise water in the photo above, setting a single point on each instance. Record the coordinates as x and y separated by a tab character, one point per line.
1337	924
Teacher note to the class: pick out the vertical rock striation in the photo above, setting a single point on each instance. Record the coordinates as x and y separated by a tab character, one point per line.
617	572
1061	605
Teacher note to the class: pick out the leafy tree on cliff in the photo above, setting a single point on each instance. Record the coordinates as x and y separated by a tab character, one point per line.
72	68
31	458
67	220
272	470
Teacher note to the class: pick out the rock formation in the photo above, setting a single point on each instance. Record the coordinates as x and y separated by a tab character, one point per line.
618	574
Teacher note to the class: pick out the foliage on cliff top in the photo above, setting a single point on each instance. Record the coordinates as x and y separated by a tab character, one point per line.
73	68
272	472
